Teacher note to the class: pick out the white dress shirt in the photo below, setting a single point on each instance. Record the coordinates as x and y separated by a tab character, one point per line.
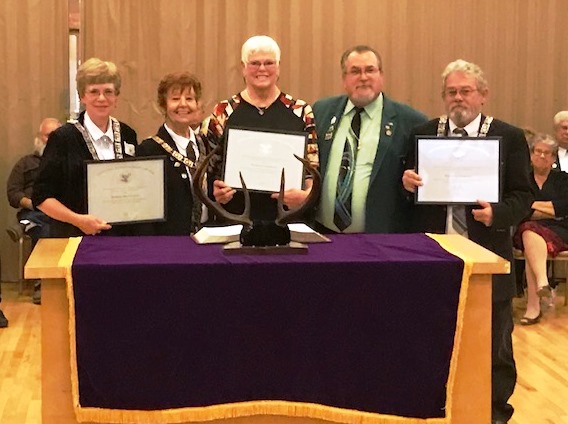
563	158
103	141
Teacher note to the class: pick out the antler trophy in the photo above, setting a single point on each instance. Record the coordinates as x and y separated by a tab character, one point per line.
261	233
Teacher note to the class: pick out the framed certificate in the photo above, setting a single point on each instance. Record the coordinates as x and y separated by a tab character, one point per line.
458	170
126	191
260	155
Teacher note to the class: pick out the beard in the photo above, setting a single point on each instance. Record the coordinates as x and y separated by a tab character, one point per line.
461	116
362	100
39	146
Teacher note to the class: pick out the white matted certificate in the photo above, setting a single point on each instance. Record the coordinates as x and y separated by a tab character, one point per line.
126	191
458	170
260	156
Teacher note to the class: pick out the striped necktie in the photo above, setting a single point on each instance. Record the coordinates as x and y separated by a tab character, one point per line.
459	222
342	215
190	154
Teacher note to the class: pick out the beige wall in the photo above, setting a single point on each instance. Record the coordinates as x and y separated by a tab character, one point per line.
519	44
33	84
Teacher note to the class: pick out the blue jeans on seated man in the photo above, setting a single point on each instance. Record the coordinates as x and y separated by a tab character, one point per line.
38	226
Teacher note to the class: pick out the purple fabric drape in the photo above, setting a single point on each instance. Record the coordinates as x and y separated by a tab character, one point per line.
366	322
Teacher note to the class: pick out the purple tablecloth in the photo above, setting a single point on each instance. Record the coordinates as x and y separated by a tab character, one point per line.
365	323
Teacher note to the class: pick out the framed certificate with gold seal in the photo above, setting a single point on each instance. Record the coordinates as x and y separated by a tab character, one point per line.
127	190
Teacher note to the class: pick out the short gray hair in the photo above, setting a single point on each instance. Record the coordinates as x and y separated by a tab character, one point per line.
559	117
544	139
467	68
260	44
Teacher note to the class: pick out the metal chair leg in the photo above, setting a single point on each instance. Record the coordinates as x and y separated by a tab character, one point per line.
21	265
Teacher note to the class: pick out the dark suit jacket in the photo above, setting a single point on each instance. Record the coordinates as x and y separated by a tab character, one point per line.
62	173
386	209
515	204
179	203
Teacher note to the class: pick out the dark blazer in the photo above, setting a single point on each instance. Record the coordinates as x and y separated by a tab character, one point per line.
180	201
62	173
386	209
515	204
21	180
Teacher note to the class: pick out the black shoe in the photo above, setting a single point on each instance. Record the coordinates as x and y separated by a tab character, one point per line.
36	297
530	321
3	320
498	422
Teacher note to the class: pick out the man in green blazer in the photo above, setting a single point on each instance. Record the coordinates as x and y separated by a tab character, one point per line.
363	140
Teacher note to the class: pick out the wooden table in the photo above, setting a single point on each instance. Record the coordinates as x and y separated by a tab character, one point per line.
472	391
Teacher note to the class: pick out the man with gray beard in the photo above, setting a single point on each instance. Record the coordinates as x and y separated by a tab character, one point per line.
19	188
464	92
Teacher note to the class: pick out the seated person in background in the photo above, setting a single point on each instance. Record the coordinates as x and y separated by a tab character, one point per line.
260	105
60	188
178	97
560	122
19	188
545	231
519	264
21	180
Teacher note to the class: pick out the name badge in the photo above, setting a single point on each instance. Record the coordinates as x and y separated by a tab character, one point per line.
129	149
331	129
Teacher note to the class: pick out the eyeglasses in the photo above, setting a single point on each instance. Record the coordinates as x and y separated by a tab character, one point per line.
545	153
256	64
463	92
95	94
356	72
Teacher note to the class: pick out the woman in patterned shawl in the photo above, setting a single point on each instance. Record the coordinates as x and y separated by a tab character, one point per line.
261	105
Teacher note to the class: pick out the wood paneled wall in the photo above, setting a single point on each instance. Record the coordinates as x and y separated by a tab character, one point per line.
518	43
33	85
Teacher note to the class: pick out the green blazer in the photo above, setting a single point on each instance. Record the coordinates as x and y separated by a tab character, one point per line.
387	209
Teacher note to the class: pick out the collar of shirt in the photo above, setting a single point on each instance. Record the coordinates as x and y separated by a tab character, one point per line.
182	142
371	110
472	128
95	131
562	159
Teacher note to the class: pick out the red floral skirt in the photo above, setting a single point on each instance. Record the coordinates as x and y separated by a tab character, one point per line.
554	244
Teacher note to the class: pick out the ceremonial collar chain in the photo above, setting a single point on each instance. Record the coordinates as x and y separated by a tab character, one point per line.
482	132
91	143
174	153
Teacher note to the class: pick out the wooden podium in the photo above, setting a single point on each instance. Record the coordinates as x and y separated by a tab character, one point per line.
472	390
